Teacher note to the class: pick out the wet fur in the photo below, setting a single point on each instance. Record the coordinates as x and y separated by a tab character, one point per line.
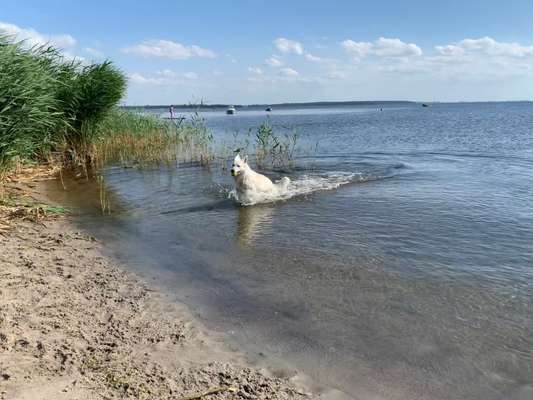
252	185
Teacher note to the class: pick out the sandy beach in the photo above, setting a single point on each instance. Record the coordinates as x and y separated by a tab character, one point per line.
75	325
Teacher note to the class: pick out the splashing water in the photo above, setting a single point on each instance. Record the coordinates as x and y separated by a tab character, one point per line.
304	185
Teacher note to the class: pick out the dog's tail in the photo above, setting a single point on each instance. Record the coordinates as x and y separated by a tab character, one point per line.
283	183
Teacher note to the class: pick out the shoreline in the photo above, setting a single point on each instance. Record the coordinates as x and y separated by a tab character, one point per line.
74	324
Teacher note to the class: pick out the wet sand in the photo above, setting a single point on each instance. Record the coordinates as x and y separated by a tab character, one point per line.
75	325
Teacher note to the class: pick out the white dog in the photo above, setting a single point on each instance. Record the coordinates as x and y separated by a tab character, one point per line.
252	187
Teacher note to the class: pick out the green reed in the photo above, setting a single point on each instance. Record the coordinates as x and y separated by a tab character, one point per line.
50	104
131	138
268	146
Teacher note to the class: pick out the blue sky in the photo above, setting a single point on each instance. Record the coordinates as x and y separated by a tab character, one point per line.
278	51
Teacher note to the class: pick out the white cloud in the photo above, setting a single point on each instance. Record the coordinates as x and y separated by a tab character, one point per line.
34	38
163	77
95	53
336	75
274	61
288	46
487	46
358	49
282	76
382	47
468	69
313	58
318	59
231	59
167	72
141	79
289	73
469	60
450	50
168	49
255	70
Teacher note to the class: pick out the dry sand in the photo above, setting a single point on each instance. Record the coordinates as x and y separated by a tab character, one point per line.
74	325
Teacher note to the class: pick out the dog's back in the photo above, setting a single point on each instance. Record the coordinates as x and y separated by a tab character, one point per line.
259	181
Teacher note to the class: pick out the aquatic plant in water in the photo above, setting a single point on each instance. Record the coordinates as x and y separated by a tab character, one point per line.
273	148
266	146
132	138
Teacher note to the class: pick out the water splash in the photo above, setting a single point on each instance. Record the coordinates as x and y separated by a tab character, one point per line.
302	186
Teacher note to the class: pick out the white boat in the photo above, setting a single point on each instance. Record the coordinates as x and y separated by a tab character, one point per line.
231	110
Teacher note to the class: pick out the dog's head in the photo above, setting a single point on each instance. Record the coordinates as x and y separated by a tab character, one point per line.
239	165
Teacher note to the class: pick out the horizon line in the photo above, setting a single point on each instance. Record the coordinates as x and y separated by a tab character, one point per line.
333	102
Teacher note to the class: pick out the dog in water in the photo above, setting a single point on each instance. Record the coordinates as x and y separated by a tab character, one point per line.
252	187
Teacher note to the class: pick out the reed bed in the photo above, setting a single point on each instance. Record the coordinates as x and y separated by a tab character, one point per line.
57	112
29	108
49	103
130	138
54	110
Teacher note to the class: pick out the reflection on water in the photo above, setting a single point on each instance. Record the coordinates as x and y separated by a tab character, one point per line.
252	221
84	194
413	282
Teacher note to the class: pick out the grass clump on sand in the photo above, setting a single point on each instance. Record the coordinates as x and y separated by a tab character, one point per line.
17	207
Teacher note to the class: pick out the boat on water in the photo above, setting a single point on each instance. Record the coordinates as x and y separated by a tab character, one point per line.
425	105
231	110
268	109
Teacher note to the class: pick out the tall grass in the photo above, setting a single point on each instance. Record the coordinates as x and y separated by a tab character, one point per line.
48	103
92	93
30	110
128	138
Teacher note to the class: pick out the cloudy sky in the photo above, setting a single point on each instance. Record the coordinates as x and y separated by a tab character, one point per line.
284	51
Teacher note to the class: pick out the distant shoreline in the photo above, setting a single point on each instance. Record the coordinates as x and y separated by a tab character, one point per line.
313	104
275	105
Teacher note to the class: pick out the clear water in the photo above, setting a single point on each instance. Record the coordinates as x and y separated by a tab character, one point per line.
411	279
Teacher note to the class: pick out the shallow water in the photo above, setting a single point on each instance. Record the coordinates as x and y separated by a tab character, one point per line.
409	274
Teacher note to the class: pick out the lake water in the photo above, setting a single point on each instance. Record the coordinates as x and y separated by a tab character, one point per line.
410	277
